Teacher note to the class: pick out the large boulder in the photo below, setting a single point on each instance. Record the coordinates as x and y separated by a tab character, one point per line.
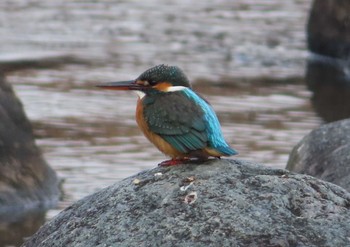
19	224
28	185
327	71
217	203
26	180
328	28
325	154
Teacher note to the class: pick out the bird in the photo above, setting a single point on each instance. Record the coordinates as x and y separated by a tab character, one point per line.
176	119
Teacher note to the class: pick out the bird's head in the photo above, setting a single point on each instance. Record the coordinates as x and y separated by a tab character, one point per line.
161	78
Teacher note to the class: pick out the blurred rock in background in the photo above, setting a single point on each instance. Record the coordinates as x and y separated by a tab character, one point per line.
26	180
324	153
28	185
328	67
328	29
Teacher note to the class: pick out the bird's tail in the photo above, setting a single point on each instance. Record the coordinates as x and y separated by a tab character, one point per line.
227	150
221	151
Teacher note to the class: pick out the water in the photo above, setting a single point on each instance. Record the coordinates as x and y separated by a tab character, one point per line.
210	39
246	57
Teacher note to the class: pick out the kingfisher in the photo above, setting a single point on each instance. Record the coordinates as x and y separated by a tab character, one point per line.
177	120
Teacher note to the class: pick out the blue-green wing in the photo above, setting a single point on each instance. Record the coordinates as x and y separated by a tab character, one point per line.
177	119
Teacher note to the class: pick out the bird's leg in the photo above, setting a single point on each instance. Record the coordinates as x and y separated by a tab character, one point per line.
173	162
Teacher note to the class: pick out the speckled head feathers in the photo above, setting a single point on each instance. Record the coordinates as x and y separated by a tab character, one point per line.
165	73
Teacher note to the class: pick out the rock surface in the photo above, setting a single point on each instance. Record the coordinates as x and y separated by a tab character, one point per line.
328	28
327	71
26	181
325	154
218	203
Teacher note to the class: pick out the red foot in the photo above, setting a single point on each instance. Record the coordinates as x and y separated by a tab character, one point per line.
172	162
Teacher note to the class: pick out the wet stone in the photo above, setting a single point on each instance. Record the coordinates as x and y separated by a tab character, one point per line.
26	180
217	203
328	29
324	153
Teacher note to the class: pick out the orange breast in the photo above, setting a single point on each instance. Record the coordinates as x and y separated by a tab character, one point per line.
159	142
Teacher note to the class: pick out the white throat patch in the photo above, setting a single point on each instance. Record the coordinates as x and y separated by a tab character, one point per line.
175	88
169	89
140	94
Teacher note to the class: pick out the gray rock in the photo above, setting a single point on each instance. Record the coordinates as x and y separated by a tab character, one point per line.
328	28
26	180
328	66
218	203
325	154
17	225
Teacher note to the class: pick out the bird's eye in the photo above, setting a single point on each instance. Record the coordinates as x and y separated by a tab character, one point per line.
146	82
152	83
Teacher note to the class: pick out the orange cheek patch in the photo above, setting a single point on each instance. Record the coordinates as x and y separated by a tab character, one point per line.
163	86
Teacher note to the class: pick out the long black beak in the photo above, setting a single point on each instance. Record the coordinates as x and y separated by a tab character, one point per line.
121	85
